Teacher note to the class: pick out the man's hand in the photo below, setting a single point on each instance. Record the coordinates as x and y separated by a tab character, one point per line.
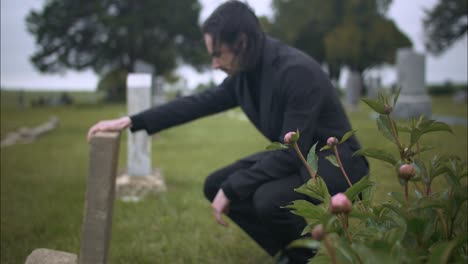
109	125
220	206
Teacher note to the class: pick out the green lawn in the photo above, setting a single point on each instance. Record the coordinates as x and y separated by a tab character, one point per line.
43	185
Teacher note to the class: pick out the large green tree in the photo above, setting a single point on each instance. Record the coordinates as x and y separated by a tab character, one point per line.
444	24
364	38
353	33
305	23
111	36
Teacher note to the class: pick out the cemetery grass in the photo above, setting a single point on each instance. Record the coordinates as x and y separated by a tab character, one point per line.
43	185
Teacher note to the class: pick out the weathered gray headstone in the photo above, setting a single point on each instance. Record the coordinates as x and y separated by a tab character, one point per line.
140	178
99	204
414	100
49	256
353	90
100	193
139	143
159	96
373	87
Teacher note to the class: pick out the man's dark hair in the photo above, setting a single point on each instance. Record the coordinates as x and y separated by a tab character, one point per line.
228	23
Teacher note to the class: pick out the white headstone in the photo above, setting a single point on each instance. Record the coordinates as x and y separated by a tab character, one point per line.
353	90
373	87
139	143
411	71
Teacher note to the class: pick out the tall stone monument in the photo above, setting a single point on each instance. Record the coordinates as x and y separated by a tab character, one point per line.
411	72
353	90
139	143
140	178
373	87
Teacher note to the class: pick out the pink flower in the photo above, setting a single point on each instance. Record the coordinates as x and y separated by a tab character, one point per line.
332	141
318	233
406	171
340	204
288	137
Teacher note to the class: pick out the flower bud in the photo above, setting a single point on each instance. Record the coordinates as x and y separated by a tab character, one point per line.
332	141
288	137
388	109
340	204
406	171
318	233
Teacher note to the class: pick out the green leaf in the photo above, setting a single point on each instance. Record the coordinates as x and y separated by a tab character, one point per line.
377	154
320	259
344	252
427	126
332	160
398	210
308	228
376	105
426	148
405	129
395	98
428	202
416	226
307	191
430	228
325	148
295	137
305	243
353	191
440	253
346	136
398	197
434	126
312	158
277	145
395	234
306	209
319	188
420	170
385	129
363	216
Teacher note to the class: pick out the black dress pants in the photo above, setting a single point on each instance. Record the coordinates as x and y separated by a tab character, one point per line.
262	217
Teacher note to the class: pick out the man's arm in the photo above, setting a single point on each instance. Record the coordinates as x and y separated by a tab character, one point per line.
173	113
187	108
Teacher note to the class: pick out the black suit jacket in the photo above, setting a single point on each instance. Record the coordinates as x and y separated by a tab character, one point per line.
294	93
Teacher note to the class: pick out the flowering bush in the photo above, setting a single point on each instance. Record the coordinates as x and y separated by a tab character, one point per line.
425	227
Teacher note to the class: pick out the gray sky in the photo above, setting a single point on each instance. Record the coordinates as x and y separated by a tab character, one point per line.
17	45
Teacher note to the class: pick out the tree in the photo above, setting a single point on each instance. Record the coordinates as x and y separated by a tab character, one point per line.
364	38
341	33
300	24
111	36
445	24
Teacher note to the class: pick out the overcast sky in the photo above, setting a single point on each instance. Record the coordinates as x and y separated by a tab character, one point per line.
17	46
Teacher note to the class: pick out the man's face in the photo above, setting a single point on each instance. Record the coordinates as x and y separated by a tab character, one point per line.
221	56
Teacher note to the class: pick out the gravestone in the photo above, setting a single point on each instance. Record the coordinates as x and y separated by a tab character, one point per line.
411	72
373	87
139	143
99	203
353	90
49	256
140	178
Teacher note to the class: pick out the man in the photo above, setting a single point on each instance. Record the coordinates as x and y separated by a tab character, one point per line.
280	89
